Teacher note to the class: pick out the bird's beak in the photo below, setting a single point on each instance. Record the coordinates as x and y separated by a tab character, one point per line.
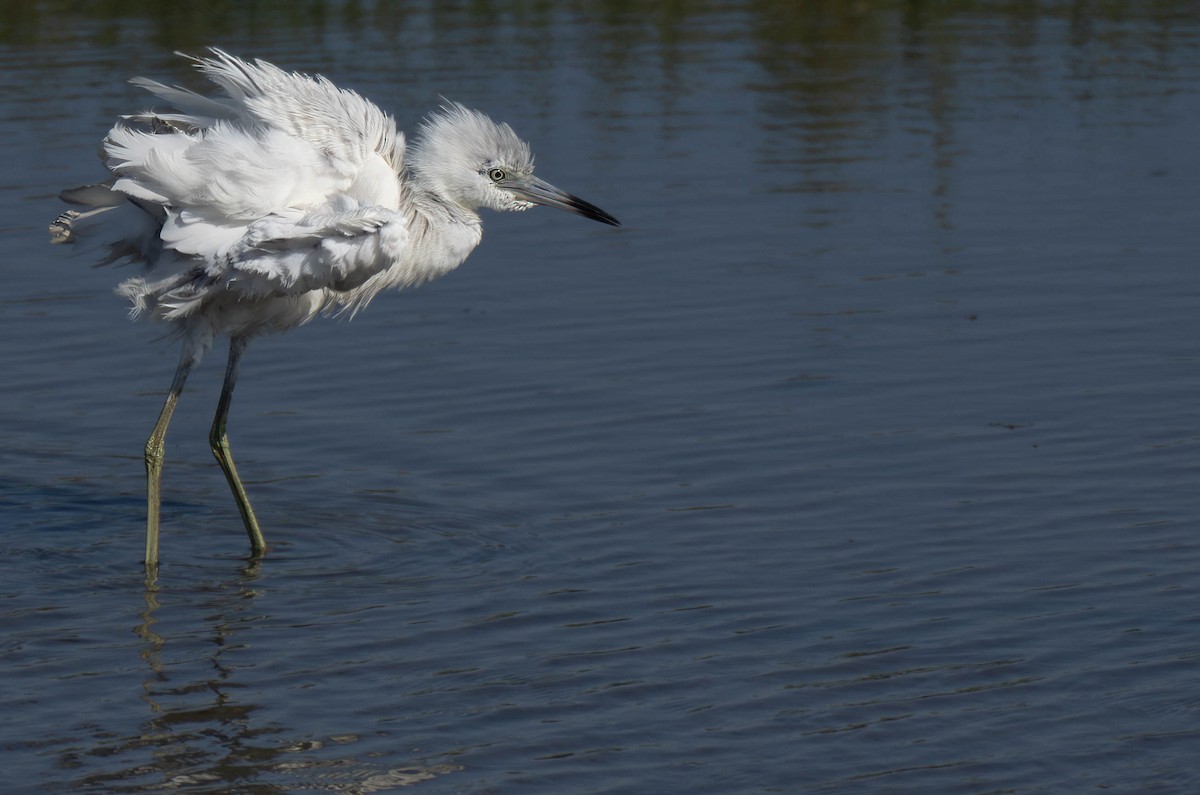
535	190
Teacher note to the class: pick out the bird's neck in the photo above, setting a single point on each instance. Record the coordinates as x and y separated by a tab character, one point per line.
441	232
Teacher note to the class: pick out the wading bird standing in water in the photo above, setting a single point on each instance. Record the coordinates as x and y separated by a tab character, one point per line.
285	199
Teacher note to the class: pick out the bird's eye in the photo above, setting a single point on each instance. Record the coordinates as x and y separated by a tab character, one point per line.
496	174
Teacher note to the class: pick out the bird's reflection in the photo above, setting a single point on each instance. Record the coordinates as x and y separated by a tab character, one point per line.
205	727
200	731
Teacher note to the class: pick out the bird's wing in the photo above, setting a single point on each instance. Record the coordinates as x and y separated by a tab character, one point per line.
340	123
286	184
335	249
227	174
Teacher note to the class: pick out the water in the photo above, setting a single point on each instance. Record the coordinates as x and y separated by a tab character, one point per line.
862	459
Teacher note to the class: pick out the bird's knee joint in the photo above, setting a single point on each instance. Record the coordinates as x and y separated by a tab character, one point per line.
155	452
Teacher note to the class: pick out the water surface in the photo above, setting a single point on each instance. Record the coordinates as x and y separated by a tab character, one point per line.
861	459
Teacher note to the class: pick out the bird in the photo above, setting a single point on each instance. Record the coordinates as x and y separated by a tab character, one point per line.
277	199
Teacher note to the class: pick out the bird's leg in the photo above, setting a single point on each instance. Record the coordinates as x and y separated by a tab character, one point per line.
155	451
219	441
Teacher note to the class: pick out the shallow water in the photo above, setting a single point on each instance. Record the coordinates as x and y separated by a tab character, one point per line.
861	459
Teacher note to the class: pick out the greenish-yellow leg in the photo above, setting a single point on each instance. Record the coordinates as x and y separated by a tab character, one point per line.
219	441
155	451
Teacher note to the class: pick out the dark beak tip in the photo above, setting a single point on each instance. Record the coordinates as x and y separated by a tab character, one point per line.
540	192
593	212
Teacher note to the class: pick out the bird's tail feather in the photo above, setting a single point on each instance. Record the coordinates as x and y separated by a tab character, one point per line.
109	222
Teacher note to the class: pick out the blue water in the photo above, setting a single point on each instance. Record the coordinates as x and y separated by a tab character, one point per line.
862	458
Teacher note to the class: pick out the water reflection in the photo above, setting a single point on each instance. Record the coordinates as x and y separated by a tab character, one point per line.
200	729
205	730
828	32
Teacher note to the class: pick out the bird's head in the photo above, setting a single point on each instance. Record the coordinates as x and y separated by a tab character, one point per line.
463	156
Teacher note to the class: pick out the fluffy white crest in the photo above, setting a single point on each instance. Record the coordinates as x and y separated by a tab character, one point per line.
455	149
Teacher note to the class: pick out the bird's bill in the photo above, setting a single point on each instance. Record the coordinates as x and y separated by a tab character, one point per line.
539	192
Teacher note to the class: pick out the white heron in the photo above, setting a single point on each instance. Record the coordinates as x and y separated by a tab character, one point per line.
284	199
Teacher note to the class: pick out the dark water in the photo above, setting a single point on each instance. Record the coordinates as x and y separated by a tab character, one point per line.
862	459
